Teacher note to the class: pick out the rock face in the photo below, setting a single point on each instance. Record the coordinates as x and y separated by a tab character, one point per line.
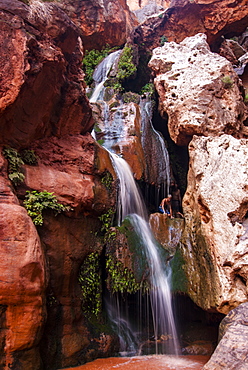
186	18
231	352
215	208
101	22
198	89
44	108
147	8
23	282
44	76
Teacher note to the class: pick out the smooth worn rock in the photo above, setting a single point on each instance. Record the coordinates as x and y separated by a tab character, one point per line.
42	88
231	352
186	18
167	231
22	286
215	207
198	89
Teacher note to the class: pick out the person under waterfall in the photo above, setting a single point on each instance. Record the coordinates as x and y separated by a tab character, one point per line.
165	206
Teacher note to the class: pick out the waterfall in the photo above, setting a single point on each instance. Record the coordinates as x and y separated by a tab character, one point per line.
157	158
130	203
100	75
129	198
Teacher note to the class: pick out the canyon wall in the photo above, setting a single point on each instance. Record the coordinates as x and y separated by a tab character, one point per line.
44	108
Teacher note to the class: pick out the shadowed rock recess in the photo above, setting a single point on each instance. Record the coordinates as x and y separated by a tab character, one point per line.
53	274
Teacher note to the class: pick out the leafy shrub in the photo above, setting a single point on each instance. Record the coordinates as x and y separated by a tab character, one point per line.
148	88
36	202
227	82
29	157
91	59
14	165
126	66
107	220
130	97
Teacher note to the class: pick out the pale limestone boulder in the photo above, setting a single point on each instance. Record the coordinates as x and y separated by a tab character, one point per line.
198	89
215	240
231	352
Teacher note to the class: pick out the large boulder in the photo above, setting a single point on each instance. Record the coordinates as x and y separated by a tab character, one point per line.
198	89
23	281
186	18
231	352
215	208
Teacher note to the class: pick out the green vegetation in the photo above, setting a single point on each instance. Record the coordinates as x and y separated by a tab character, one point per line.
246	99
163	40
120	278
92	59
107	180
107	220
130	97
179	279
126	66
89	279
227	82
29	157
36	202
148	89
15	163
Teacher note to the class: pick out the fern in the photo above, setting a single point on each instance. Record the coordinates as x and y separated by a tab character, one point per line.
36	202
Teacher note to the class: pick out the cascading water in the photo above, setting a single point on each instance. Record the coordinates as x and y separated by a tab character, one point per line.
100	75
131	204
157	156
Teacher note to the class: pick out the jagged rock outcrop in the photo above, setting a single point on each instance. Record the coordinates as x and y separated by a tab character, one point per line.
198	89
215	209
231	352
101	22
44	108
186	18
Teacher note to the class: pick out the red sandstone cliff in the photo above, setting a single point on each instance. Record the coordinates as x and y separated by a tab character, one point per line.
43	106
